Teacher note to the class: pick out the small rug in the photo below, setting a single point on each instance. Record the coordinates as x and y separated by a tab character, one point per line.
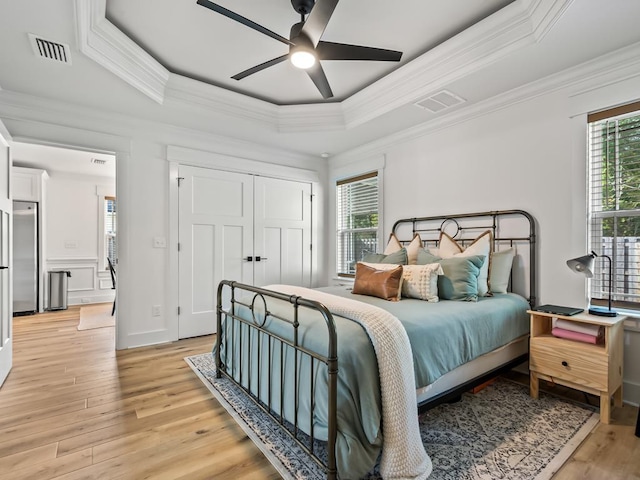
96	316
500	432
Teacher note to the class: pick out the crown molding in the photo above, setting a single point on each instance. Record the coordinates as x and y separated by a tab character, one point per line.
519	24
30	109
608	69
101	41
201	95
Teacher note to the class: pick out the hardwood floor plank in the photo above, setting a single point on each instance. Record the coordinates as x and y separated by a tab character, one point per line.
142	413
25	458
54	468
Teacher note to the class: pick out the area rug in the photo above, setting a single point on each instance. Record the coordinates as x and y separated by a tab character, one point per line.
498	433
96	316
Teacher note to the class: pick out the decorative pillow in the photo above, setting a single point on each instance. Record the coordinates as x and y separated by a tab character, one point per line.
398	257
412	249
482	245
460	275
393	245
500	271
421	281
460	279
385	284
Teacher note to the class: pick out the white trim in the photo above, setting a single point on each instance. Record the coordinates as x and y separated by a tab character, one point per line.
173	273
201	158
609	69
513	27
101	41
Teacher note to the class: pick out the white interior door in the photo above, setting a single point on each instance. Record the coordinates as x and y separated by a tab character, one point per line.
216	236
6	353
282	219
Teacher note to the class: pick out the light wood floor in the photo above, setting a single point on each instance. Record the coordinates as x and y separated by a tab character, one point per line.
73	408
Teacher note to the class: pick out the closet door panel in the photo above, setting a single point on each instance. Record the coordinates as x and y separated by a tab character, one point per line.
282	231
216	235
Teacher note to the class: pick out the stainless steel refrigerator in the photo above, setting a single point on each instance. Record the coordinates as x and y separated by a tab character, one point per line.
25	258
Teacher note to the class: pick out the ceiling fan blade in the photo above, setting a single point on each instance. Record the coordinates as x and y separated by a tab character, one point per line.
245	21
262	66
344	51
316	73
318	19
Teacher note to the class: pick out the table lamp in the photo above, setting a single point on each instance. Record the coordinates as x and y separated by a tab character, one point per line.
584	265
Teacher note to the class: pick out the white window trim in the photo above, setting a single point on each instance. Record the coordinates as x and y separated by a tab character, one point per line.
102	191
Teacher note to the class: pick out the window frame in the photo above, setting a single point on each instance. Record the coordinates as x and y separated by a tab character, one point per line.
597	213
103	265
340	231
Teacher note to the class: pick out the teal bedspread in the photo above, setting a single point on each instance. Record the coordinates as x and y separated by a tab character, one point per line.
443	336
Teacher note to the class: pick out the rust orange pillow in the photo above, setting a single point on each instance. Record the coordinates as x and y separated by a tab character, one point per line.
385	284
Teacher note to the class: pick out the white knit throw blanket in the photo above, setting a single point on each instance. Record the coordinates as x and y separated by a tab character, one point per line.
403	454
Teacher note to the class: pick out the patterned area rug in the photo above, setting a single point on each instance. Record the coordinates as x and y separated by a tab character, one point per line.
498	433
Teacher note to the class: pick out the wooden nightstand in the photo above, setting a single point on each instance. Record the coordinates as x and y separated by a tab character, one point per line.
595	369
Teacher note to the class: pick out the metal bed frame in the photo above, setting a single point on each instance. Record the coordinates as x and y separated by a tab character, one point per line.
233	294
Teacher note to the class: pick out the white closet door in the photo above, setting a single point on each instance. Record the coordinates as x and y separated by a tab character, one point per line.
282	232
6	349
216	236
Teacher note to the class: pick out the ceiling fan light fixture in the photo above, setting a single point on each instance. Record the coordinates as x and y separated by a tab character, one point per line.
302	58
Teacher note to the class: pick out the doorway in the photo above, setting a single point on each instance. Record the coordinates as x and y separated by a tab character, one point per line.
73	191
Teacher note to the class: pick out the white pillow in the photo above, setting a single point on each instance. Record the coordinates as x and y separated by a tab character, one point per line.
421	281
482	245
393	245
418	281
500	272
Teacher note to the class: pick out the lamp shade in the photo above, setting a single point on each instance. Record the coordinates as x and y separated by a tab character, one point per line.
582	265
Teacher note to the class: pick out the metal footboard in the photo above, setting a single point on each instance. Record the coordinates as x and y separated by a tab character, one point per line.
244	374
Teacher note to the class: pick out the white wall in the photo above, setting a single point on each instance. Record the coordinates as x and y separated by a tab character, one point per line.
72	234
530	155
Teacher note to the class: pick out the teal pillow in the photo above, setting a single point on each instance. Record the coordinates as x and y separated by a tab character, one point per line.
460	279
399	258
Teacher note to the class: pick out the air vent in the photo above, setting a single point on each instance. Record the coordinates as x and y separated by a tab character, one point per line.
50	50
98	161
440	101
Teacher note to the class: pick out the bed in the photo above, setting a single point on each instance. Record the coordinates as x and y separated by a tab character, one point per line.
307	362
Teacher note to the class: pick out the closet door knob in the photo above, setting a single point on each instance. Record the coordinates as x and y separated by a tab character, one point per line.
249	259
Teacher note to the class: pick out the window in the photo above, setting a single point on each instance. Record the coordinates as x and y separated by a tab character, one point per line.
109	230
357	220
614	213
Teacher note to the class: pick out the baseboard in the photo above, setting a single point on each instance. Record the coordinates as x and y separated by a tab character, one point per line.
87	299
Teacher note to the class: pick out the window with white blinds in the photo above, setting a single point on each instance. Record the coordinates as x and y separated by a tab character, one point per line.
357	220
110	229
614	210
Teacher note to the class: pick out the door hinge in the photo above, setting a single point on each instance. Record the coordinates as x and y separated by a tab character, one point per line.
178	246
180	181
178	310
311	246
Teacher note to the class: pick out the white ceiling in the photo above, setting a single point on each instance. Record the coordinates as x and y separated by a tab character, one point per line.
196	42
114	80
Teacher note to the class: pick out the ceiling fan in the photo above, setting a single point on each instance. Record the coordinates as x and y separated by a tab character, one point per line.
305	47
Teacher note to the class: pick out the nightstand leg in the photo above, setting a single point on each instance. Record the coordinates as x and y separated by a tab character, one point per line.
534	384
617	397
605	407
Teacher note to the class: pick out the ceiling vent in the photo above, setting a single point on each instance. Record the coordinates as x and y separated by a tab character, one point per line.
50	50
440	101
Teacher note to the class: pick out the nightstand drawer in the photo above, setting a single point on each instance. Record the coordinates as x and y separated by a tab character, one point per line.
585	365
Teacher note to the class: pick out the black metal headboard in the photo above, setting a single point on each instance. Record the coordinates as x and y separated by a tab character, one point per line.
510	228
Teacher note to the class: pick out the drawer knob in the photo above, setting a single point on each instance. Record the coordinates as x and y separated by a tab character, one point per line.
564	363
